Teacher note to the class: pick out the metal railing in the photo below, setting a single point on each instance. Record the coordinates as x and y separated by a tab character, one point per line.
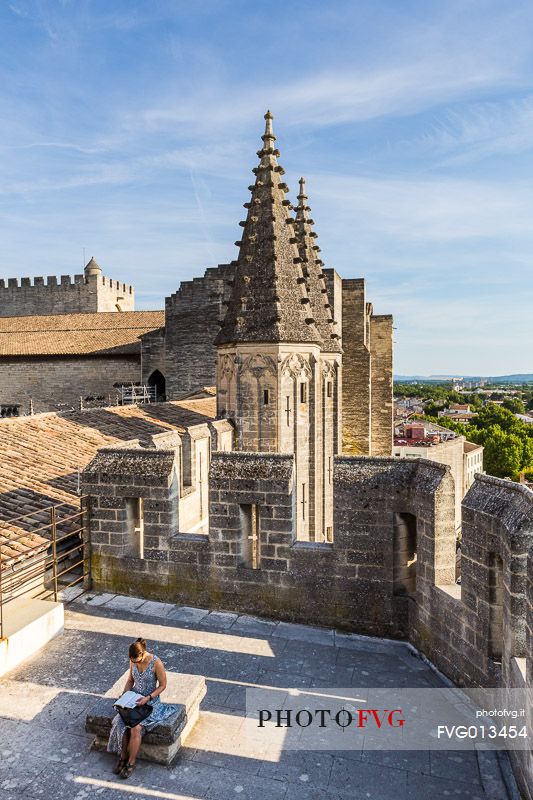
55	547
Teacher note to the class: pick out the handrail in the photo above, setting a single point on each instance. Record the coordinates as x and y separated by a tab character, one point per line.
20	573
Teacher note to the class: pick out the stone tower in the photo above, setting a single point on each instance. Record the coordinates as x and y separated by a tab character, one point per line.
278	356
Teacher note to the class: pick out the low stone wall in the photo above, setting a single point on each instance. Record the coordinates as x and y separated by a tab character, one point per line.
55	382
299	581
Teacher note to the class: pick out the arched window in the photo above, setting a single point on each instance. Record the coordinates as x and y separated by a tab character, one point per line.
157	380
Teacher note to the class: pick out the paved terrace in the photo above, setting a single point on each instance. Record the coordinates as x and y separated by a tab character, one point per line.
44	751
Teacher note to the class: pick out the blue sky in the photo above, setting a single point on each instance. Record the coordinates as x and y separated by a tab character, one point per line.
130	129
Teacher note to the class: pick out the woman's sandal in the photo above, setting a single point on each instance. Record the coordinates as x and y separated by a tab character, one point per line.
128	769
119	766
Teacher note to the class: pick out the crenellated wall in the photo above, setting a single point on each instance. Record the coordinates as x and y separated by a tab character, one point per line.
390	570
305	581
192	321
68	295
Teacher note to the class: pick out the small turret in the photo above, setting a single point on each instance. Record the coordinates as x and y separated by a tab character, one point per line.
92	268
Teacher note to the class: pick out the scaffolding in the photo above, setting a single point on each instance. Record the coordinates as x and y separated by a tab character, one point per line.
132	394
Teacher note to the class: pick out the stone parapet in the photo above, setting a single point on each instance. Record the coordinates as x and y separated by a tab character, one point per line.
68	295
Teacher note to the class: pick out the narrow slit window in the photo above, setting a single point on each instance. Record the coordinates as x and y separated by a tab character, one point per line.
266	397
404	554
135	525
303	500
495	607
249	518
330	389
303	393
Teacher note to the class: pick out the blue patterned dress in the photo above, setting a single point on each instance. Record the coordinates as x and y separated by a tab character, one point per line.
144	683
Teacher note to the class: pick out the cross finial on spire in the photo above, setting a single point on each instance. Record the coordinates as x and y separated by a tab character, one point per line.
302	194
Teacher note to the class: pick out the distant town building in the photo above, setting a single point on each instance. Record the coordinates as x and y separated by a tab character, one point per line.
423	439
459	412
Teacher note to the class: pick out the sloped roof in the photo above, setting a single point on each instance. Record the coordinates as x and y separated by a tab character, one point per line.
77	334
40	455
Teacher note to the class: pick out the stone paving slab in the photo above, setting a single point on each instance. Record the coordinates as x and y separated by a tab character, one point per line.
464	765
219	619
355	641
302	768
150	608
121	602
422	786
254	625
96	599
225	756
246	787
305	633
188	614
365	781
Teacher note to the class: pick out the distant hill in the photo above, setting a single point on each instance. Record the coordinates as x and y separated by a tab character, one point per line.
522	377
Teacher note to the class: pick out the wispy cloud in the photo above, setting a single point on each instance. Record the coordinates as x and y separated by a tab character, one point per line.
131	131
431	209
481	130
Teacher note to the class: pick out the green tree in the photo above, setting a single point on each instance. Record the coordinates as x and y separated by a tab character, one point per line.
492	414
503	452
514	404
431	409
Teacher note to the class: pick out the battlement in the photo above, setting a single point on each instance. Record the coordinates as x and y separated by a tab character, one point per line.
192	320
66	294
39	281
212	287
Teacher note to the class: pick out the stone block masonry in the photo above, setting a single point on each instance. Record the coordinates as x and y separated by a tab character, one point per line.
192	321
80	294
356	385
367	406
293	580
52	383
381	405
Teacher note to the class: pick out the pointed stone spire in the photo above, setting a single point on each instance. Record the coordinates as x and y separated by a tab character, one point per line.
269	301
312	267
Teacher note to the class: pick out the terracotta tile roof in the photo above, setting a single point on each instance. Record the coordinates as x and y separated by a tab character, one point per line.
40	456
77	334
16	543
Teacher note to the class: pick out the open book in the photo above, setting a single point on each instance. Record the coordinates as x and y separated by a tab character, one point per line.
128	700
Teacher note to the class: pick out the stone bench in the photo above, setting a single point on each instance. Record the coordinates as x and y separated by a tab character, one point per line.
163	742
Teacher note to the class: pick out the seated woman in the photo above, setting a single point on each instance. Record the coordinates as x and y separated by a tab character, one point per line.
147	677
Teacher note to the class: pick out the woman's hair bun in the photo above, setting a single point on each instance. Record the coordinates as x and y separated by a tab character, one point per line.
137	648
